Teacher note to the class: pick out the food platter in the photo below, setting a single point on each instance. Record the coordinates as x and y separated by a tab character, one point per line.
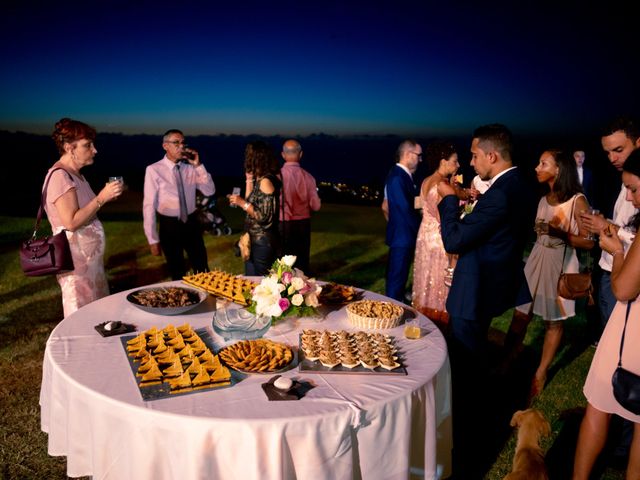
336	294
260	356
196	297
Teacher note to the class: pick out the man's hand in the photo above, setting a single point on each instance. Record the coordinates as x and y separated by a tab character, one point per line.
194	156
155	249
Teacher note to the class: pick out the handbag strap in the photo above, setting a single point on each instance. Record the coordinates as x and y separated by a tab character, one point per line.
564	254
43	199
623	331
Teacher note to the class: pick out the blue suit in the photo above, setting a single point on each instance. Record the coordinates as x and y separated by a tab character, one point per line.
402	230
490	242
487	280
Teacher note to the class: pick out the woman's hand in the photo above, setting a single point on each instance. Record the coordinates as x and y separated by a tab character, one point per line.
609	241
111	191
234	199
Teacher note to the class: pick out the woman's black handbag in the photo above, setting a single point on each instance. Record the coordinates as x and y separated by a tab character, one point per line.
48	255
626	384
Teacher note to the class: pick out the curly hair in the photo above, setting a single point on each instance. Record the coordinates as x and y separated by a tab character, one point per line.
436	151
69	131
260	160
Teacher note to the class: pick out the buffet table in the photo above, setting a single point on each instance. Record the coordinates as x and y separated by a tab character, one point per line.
368	426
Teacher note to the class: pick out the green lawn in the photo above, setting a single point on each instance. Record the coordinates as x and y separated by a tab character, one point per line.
347	247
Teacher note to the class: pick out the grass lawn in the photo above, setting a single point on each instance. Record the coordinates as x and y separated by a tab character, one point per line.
347	247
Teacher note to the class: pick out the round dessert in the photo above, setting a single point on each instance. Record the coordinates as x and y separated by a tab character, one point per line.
283	383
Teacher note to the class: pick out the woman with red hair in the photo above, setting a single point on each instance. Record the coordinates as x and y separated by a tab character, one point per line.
72	205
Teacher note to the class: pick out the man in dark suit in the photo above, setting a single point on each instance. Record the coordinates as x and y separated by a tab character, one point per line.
487	281
404	220
584	175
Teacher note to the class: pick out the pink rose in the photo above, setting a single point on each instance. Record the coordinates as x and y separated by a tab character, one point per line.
283	303
286	278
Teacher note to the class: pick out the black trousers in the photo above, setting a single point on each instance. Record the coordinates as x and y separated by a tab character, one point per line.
263	254
176	237
296	240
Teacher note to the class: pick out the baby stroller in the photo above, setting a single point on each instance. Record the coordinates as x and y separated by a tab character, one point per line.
210	218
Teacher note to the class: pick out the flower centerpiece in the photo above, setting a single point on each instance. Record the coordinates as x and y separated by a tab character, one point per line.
286	291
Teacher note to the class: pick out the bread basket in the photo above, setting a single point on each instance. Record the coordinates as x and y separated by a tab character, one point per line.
374	314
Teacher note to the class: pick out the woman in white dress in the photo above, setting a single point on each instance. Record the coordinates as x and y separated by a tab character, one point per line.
559	232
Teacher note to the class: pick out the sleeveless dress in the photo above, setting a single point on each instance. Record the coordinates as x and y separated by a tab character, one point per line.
429	290
597	386
545	261
88	281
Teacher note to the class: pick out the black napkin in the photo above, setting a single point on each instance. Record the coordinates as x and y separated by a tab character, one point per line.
296	392
117	329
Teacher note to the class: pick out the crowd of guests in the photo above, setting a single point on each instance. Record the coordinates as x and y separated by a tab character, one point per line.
466	244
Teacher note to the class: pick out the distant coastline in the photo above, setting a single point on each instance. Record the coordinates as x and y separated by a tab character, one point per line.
361	163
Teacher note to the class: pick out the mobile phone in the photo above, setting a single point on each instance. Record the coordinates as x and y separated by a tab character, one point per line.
235	191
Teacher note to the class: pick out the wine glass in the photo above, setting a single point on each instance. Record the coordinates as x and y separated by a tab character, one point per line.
592	211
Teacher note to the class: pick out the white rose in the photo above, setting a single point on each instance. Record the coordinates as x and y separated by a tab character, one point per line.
311	300
297	283
289	260
297	300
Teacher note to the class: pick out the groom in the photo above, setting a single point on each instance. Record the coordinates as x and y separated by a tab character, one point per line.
486	282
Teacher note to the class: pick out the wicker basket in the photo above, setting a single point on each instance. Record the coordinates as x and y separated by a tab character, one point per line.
374	314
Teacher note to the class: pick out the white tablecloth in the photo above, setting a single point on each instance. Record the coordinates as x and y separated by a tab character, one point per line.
348	426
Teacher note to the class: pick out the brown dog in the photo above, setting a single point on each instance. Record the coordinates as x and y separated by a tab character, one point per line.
528	462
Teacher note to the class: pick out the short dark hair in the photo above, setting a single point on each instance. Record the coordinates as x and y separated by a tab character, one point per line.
404	146
436	151
626	124
497	136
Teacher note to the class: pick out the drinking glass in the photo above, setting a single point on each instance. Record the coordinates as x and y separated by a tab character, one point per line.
116	179
448	271
541	226
592	211
412	329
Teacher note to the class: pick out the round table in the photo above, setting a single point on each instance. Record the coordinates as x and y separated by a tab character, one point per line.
347	426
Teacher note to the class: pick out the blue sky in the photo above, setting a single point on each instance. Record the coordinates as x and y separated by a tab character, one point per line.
404	68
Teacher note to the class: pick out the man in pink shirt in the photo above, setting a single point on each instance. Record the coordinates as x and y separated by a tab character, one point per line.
298	199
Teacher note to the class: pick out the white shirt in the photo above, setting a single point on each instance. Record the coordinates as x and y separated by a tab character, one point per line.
493	180
580	174
623	210
161	192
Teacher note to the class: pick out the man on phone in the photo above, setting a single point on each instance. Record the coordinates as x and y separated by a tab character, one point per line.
169	205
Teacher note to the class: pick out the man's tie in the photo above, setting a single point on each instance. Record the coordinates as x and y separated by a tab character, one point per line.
183	201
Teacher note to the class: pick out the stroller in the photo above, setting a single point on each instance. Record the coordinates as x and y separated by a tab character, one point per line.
210	218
